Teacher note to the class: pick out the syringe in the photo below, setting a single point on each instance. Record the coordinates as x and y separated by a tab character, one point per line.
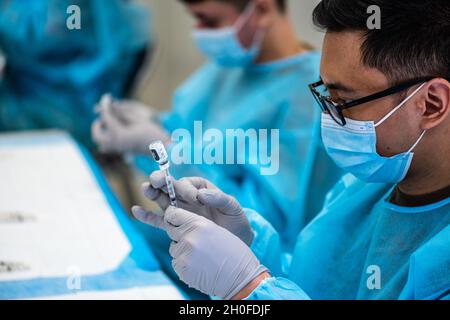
159	154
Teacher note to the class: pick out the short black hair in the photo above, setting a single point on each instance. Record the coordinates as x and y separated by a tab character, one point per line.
241	4
414	39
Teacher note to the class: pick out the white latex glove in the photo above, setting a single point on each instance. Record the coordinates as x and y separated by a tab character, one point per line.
200	196
205	256
126	127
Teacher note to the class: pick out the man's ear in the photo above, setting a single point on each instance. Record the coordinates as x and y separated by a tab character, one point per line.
436	107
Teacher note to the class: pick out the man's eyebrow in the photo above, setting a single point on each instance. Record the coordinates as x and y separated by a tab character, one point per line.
339	87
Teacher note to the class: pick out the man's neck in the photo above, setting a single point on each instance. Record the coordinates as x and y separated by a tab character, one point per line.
429	173
280	42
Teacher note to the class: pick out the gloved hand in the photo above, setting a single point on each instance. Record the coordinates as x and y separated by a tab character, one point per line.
200	196
205	256
126	127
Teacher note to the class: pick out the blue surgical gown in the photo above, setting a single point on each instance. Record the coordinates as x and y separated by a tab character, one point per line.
55	76
359	235
265	96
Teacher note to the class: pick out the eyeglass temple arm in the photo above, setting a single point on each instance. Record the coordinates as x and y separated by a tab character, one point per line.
384	93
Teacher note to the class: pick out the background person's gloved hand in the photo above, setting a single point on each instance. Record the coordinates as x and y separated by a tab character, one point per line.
206	256
126	127
200	196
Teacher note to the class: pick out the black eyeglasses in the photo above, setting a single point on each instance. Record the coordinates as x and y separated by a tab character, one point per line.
335	109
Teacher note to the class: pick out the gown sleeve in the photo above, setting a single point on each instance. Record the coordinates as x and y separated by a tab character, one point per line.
267	248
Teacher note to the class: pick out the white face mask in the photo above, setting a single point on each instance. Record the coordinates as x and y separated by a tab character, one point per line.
223	45
354	149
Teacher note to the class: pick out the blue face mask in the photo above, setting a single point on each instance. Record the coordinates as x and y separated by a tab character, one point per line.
354	149
223	45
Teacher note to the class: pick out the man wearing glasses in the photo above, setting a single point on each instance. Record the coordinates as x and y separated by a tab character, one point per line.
384	232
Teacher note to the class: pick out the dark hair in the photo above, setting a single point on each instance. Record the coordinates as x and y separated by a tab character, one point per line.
414	39
240	4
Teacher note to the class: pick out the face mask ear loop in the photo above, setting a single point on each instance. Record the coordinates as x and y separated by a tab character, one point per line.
418	141
258	38
259	35
399	106
245	15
